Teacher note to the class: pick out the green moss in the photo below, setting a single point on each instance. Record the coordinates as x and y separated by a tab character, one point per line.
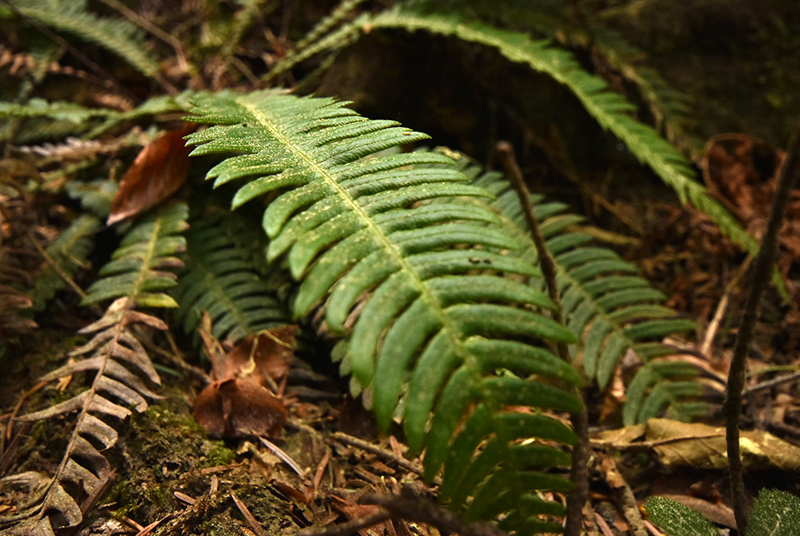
220	455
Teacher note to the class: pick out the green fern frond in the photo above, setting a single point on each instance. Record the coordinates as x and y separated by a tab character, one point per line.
330	43
116	35
339	13
95	196
774	513
608	108
66	254
677	519
316	41
59	111
219	278
59	119
422	283
606	305
138	269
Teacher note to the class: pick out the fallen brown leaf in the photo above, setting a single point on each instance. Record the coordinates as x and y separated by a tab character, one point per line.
239	403
159	171
239	407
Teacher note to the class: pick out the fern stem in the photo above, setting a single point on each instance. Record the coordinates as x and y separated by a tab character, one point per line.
579	473
732	408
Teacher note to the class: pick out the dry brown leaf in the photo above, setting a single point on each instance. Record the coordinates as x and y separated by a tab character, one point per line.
264	356
158	172
239	407
238	403
353	511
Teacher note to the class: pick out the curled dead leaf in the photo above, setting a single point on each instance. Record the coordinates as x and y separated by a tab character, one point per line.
239	403
239	407
159	171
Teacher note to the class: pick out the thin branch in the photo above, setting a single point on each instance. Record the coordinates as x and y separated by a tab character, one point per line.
411	507
348	527
732	408
579	473
252	522
386	454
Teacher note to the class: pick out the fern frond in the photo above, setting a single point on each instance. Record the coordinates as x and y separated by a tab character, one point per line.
119	361
668	106
64	118
423	284
60	111
64	256
607	306
219	278
659	386
330	43
116	35
137	269
95	197
339	13
608	108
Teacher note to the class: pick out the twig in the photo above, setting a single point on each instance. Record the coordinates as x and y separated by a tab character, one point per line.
624	495
411	507
579	473
348	527
771	383
369	447
54	265
252	522
764	262
713	326
285	458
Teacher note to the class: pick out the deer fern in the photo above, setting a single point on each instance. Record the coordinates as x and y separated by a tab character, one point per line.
422	283
117	35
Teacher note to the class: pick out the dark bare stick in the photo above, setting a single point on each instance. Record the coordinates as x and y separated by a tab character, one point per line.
732	407
580	421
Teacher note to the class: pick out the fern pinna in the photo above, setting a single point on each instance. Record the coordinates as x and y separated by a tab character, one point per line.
609	308
423	285
134	277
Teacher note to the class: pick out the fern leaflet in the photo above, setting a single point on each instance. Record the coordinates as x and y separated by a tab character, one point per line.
219	278
137	266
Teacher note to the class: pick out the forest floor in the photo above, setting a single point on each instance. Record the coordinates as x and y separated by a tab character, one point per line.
332	466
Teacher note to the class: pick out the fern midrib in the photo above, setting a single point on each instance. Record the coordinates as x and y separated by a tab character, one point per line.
377	232
685	187
143	274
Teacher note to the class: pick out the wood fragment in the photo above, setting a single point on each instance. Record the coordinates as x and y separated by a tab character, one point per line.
252	522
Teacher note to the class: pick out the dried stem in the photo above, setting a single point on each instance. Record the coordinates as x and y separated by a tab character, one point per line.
580	421
761	274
